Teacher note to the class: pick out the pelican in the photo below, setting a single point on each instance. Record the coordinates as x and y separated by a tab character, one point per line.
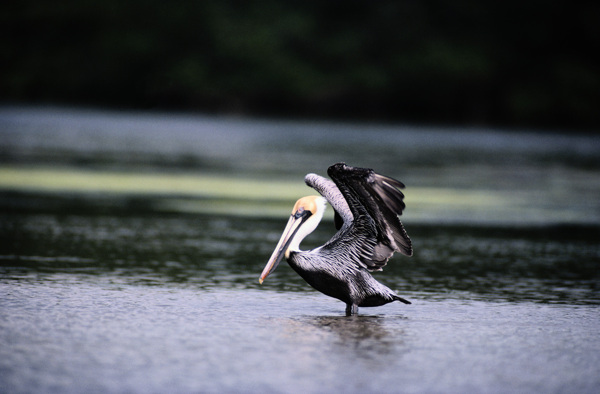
366	208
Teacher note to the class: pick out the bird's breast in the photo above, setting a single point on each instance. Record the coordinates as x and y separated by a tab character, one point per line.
321	279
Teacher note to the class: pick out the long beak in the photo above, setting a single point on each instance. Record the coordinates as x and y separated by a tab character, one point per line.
284	242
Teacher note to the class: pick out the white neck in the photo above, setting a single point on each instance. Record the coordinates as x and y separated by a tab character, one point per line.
309	226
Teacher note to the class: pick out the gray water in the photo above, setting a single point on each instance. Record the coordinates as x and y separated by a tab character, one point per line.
122	292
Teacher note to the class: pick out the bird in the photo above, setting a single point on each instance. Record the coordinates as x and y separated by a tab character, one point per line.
366	207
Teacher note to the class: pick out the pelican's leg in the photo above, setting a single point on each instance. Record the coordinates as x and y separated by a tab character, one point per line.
351	309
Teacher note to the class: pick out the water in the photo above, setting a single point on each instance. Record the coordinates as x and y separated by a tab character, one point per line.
131	246
98	336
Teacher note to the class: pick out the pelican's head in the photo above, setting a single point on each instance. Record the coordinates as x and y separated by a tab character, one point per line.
306	215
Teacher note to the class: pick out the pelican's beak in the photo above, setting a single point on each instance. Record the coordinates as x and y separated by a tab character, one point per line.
287	237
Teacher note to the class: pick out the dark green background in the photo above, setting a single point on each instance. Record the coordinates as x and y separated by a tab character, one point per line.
508	63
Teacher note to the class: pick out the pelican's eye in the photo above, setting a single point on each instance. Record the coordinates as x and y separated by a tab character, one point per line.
299	213
302	213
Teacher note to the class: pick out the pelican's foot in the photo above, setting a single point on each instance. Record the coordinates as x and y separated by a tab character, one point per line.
351	309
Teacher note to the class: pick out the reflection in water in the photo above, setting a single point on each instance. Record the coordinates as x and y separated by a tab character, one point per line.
366	336
371	340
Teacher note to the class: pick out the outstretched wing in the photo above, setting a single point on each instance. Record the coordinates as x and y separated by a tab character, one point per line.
375	202
330	191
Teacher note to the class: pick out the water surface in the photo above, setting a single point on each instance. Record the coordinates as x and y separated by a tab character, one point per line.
131	245
106	337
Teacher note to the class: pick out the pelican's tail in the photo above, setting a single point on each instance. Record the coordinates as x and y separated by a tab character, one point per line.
396	298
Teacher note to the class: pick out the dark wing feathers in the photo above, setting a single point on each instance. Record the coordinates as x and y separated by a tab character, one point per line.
376	203
390	203
338	221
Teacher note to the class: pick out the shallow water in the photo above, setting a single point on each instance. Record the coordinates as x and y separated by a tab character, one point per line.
116	275
172	303
74	336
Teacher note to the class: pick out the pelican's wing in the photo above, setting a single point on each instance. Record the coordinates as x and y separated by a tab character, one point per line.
330	191
375	202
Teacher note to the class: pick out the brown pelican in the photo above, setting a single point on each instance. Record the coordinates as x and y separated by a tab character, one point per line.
366	208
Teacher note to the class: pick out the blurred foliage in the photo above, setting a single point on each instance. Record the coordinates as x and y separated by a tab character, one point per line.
510	63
